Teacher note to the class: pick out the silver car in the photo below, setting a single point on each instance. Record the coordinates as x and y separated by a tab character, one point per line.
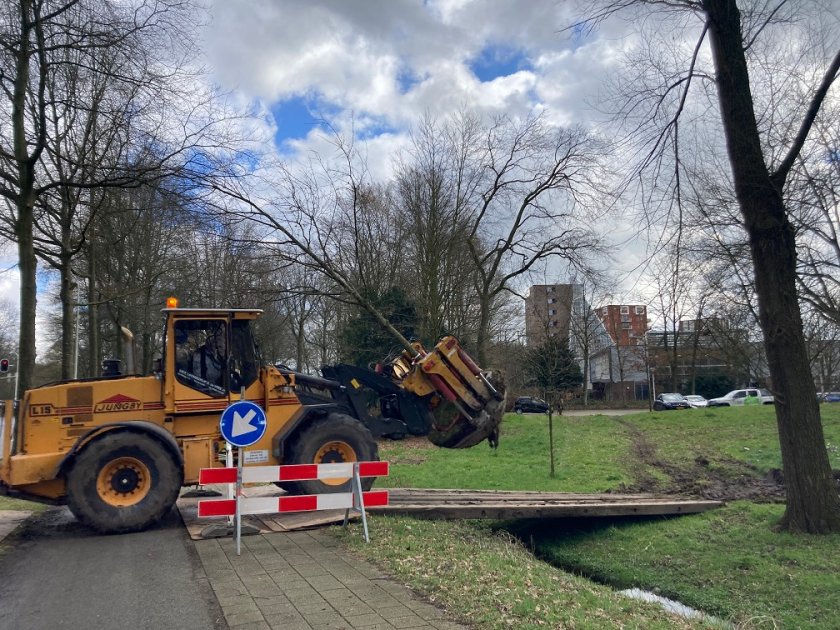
696	401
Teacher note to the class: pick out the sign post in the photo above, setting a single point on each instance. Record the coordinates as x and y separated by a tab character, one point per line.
242	424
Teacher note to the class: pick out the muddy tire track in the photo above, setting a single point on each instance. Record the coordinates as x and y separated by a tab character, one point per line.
721	479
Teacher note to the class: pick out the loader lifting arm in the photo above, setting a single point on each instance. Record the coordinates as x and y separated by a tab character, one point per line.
441	393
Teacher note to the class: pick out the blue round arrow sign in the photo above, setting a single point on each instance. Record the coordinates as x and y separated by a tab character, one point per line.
243	423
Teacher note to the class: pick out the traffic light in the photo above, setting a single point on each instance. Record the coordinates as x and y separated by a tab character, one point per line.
4	365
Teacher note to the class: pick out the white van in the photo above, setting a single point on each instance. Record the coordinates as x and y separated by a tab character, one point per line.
740	397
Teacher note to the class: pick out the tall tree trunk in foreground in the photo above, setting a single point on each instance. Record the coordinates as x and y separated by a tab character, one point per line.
813	503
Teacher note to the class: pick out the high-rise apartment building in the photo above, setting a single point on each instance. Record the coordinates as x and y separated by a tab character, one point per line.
548	311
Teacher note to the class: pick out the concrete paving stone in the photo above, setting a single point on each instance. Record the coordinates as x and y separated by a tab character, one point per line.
325	583
257	578
274	564
228	584
226	599
323	620
297	625
255	542
250	570
384	601
250	566
244	606
230	599
394	588
314	608
389	613
350	577
448	625
342	597
280	603
254	625
366	621
302	595
311	570
265	591
278	609
424	609
409	621
290	582
230	590
221	575
296	558
238	619
353	610
281	543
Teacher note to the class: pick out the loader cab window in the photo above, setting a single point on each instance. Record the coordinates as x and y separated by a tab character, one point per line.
243	355
201	355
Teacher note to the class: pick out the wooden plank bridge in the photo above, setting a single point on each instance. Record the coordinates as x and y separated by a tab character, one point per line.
466	504
492	504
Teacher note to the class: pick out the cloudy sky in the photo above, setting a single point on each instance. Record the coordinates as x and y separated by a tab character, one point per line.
380	65
383	63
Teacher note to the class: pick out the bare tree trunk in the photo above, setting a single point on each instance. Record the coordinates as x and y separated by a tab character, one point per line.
813	504
25	201
94	354
68	303
28	299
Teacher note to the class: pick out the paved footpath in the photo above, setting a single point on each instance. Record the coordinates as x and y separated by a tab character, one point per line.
302	581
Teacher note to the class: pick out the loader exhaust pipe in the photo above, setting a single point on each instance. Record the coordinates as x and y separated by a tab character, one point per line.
128	349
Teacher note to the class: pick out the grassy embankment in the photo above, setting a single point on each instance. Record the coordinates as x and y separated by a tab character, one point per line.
728	562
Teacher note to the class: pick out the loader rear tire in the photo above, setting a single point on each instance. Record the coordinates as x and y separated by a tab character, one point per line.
123	482
332	440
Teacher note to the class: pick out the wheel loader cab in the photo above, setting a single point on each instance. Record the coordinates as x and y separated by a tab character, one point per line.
215	357
211	357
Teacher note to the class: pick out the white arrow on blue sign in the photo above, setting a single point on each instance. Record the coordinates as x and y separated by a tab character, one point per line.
243	423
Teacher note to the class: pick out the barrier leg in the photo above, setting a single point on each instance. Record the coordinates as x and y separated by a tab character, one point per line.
358	501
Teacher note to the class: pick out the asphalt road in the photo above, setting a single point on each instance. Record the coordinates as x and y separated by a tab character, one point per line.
56	573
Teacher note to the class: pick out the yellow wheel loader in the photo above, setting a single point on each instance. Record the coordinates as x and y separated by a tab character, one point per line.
117	449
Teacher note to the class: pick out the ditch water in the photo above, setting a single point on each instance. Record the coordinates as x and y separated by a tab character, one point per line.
674	607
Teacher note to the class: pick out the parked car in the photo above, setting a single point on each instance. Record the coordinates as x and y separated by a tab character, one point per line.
831	397
527	404
667	401
741	397
696	401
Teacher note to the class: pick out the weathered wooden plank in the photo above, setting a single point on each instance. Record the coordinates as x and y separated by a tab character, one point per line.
484	504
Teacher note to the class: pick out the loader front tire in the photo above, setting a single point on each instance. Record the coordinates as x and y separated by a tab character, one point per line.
123	482
335	439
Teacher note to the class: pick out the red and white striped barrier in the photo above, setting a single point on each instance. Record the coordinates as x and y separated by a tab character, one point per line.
355	500
292	472
301	503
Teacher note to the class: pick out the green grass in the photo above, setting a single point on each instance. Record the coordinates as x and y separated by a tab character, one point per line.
521	461
728	562
11	503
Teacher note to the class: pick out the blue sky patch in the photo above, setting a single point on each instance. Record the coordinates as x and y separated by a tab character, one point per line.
498	61
295	118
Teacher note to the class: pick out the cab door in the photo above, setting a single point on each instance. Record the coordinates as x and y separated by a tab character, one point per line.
201	365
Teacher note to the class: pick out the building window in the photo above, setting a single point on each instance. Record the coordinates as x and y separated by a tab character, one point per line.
640	310
551	300
625	310
625	325
552	311
549	289
625	318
